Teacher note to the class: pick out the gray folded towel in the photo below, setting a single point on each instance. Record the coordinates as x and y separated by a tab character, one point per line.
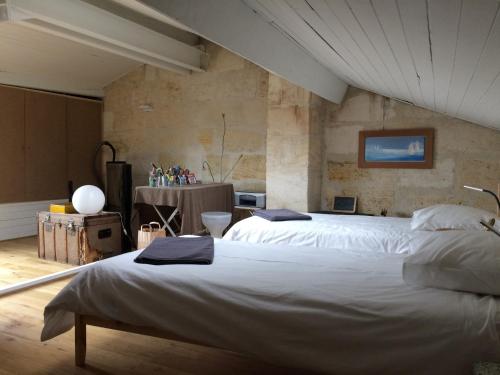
178	250
281	215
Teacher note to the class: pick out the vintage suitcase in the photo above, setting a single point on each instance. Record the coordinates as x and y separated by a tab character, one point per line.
78	239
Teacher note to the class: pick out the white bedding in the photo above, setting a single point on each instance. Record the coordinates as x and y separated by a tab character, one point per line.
373	233
331	311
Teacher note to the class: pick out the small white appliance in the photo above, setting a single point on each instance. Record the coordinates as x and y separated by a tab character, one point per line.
242	198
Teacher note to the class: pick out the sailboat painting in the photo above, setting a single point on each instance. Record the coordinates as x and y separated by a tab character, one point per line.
395	149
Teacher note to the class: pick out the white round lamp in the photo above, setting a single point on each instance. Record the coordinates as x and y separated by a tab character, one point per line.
88	199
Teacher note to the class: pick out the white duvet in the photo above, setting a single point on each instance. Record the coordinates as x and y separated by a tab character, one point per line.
330	311
372	233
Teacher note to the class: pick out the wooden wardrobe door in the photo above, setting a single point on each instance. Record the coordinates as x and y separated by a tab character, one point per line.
84	134
11	145
46	166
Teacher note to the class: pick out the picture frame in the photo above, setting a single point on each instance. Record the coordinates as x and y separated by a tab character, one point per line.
396	148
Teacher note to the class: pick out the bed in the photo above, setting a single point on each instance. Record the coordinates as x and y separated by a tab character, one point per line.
372	233
345	312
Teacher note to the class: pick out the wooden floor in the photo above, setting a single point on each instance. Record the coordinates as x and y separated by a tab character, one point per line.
19	261
108	352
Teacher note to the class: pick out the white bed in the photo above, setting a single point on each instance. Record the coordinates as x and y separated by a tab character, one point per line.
379	234
329	311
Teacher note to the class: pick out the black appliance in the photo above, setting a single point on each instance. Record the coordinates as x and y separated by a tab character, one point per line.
118	191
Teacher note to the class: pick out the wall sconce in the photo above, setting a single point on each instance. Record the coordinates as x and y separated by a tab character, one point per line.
146	107
485	191
490	225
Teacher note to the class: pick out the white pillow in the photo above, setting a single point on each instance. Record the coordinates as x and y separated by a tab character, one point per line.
449	216
458	260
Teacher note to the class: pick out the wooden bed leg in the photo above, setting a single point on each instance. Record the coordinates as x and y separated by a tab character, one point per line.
80	340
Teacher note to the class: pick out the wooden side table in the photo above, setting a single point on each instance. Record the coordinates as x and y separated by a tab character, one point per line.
187	200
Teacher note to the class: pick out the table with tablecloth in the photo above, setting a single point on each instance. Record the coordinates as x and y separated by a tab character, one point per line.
189	201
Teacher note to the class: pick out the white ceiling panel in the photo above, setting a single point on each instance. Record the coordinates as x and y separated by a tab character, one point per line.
367	20
79	47
388	14
416	35
334	34
476	23
251	31
39	60
360	43
443	55
444	43
294	27
485	75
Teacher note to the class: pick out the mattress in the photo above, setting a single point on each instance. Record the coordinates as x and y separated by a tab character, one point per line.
370	233
344	312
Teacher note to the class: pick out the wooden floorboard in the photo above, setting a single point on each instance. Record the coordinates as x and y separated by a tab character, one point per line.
108	352
19	261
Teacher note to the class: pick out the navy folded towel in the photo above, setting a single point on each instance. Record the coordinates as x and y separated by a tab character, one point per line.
178	250
281	215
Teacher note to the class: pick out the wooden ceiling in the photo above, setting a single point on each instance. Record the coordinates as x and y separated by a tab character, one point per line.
443	55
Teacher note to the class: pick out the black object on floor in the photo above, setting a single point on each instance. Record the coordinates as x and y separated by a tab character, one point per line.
178	250
281	215
341	213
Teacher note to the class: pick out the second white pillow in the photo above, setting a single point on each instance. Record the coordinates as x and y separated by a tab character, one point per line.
457	260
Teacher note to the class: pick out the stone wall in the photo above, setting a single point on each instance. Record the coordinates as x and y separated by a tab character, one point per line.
185	125
299	148
319	109
464	154
294	146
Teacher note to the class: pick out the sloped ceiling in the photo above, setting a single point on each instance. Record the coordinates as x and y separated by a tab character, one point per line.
34	59
79	47
443	55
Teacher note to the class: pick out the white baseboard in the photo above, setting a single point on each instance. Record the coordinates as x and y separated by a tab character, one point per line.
19	219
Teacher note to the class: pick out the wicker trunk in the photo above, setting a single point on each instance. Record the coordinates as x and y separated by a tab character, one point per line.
78	239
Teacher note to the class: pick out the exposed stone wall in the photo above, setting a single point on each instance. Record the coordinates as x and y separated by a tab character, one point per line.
296	119
299	148
319	109
185	126
287	145
464	154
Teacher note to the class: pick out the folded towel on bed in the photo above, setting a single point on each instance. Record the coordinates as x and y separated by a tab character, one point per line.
177	250
281	215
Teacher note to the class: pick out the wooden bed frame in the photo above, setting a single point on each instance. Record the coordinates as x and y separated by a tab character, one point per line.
82	321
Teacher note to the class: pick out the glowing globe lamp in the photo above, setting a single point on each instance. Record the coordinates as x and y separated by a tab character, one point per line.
88	199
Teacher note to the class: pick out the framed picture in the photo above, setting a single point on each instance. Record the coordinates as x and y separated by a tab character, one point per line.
402	148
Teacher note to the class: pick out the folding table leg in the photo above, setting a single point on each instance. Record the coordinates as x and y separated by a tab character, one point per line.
166	221
172	217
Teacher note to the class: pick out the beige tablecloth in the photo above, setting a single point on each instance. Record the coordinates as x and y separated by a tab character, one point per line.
190	200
